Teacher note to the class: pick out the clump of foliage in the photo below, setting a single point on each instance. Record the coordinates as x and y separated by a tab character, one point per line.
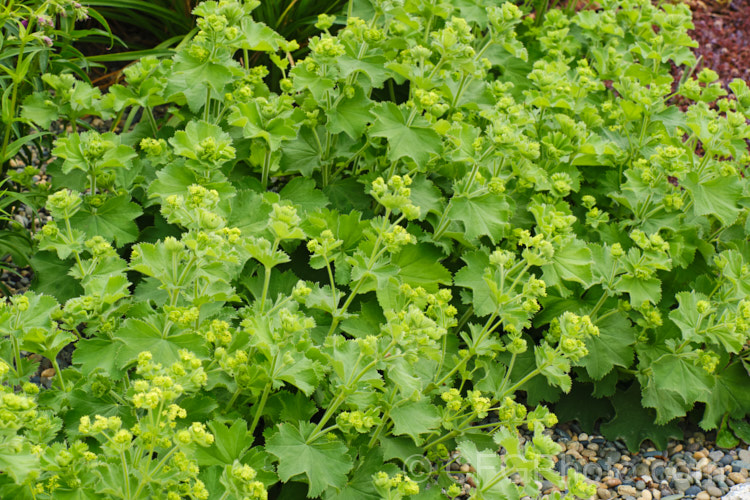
324	289
37	38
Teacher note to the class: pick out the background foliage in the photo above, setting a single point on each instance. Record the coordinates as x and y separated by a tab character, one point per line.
441	212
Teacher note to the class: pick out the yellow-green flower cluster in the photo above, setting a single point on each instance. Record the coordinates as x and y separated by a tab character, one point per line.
154	147
214	151
651	316
195	210
99	247
430	101
395	195
183	316
412	327
196	433
64	203
396	238
453	400
323	246
654	242
540	418
17	411
480	405
571	331
161	385
358	421
219	333
242	483
511	413
326	47
284	222
709	361
236	365
538	251
404	485
454	490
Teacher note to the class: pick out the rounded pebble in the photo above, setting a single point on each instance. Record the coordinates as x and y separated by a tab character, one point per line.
692	491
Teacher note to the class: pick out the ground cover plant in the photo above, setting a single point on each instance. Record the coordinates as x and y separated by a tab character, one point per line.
444	211
35	38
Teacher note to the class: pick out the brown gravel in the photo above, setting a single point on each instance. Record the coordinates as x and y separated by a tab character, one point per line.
723	31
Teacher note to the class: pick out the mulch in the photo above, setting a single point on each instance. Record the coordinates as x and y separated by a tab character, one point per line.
722	31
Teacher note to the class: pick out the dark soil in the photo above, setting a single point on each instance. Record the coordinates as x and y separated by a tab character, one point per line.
722	31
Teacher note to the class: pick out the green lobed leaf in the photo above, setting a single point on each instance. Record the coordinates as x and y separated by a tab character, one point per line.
612	347
405	139
113	221
325	464
634	424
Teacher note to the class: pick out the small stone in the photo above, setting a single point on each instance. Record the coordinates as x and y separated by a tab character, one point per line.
736	477
744	455
646	495
640	485
702	463
678	448
465	468
681	483
641	469
593	446
588	453
658	472
714	491
583	437
726	459
603	493
612	482
656	494
612	456
707	483
716	455
50	372
709	469
699	454
697	476
692	491
593	470
575	446
702	496
626	491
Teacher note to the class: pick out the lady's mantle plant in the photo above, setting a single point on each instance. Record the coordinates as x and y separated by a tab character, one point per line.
325	289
